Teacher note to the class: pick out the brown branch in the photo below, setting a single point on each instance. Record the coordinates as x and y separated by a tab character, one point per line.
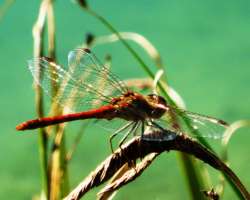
102	173
110	194
127	177
138	148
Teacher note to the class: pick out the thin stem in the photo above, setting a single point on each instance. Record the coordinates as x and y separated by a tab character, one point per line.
192	175
38	34
59	172
131	50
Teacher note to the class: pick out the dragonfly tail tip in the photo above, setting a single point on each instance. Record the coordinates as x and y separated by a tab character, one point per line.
20	127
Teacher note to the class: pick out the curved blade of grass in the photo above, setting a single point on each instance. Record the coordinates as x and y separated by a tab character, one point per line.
135	37
229	132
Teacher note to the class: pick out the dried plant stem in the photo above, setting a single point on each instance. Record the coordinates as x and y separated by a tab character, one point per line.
38	34
59	173
127	177
51	31
56	172
110	194
52	177
137	148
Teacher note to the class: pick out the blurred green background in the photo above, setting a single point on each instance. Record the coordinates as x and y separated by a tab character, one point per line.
205	46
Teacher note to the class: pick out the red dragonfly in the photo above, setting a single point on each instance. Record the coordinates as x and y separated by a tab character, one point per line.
88	83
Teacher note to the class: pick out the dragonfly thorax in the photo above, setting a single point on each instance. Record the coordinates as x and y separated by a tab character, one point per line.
158	105
137	107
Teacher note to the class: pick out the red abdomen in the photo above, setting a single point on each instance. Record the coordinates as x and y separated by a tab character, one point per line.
104	112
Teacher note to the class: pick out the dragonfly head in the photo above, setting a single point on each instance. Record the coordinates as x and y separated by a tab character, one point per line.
158	104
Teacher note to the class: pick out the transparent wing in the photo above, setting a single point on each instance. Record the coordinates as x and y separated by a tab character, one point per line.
195	124
83	60
85	83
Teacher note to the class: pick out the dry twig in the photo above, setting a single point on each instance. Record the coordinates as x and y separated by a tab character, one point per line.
127	177
138	148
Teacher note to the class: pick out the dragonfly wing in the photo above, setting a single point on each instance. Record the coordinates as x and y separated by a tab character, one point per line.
80	86
206	126
70	92
97	76
195	124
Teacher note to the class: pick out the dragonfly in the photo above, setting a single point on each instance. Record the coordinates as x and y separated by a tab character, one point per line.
88	90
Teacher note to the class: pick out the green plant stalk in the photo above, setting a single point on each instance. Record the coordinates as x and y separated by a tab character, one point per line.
65	188
38	34
42	143
189	166
233	186
64	179
113	30
236	125
43	146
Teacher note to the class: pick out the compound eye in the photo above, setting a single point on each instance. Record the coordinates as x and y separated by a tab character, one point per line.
162	100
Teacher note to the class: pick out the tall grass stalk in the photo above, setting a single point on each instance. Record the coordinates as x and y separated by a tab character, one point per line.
52	164
38	34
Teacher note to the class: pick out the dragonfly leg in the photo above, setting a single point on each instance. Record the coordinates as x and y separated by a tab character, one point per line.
117	132
132	130
142	129
145	124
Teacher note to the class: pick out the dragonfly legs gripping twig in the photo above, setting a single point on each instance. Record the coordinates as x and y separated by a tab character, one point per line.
117	132
132	130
